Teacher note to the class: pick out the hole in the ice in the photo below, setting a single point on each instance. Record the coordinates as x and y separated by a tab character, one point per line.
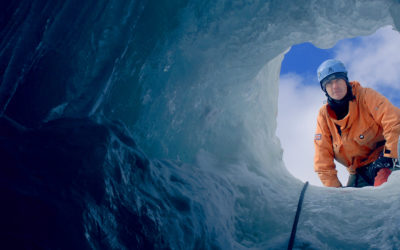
372	60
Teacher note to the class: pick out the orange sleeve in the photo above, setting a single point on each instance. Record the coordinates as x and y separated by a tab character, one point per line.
387	116
323	158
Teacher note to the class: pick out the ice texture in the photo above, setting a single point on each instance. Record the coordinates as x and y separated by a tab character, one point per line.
195	85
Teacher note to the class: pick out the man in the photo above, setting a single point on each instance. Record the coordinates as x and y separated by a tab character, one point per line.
358	127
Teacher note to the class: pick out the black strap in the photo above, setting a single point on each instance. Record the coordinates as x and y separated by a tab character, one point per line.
339	130
380	143
296	218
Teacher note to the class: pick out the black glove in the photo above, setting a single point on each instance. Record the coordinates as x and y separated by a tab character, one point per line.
369	172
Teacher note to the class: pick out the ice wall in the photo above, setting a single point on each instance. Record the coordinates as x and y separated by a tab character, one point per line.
196	82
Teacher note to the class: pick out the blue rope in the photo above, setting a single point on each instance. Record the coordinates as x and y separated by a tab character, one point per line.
296	218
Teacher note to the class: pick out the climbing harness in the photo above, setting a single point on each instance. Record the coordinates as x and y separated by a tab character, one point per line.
296	218
396	164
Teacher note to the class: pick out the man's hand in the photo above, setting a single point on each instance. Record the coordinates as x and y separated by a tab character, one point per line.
381	162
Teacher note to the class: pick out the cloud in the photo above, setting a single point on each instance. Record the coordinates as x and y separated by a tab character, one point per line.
299	104
374	61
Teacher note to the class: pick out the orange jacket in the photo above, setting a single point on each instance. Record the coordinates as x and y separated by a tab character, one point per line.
372	125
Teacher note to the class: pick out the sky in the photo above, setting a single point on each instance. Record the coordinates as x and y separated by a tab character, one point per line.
372	60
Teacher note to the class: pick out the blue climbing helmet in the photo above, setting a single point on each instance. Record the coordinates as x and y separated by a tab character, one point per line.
331	69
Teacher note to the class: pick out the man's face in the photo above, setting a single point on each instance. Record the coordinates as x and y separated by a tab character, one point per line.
336	88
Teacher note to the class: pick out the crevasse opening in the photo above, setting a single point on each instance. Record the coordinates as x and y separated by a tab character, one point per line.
369	59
